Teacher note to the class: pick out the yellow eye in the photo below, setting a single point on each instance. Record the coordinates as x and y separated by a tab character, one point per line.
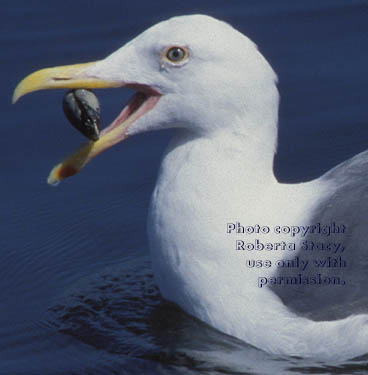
177	54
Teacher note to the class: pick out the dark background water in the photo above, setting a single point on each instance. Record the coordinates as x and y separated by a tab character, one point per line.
76	289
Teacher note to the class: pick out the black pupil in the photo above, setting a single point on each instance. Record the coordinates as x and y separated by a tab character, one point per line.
176	53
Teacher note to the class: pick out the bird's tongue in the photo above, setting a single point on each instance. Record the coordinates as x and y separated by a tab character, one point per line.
113	134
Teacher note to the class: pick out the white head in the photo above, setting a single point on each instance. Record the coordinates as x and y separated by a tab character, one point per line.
221	71
195	72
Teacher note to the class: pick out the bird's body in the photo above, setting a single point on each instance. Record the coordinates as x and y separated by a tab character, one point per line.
202	186
210	82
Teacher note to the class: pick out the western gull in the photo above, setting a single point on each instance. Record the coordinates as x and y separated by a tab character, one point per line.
281	266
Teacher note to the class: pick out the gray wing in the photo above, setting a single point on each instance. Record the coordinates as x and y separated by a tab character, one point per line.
348	205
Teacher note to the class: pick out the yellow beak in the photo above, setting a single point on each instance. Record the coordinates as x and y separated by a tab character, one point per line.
73	76
69	76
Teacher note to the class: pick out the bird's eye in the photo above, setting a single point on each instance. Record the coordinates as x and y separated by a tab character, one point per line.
176	54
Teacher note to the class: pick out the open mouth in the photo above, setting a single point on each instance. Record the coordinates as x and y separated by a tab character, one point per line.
140	104
81	76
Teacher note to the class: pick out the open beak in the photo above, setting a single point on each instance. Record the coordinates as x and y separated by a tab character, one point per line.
77	76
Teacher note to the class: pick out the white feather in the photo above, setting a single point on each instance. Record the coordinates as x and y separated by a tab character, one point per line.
223	102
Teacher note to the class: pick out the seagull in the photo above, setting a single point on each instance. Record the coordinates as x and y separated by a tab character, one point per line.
282	267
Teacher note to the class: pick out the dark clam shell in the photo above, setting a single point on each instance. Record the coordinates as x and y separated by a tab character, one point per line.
82	109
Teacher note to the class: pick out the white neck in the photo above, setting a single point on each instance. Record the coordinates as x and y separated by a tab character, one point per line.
204	183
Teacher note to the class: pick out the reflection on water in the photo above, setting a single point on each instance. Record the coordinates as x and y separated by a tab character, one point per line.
122	313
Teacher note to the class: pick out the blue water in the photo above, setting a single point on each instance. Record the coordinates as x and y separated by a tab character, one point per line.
77	294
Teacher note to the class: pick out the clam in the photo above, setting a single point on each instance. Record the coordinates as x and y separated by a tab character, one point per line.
82	109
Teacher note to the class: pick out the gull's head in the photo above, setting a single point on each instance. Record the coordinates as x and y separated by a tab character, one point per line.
192	72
